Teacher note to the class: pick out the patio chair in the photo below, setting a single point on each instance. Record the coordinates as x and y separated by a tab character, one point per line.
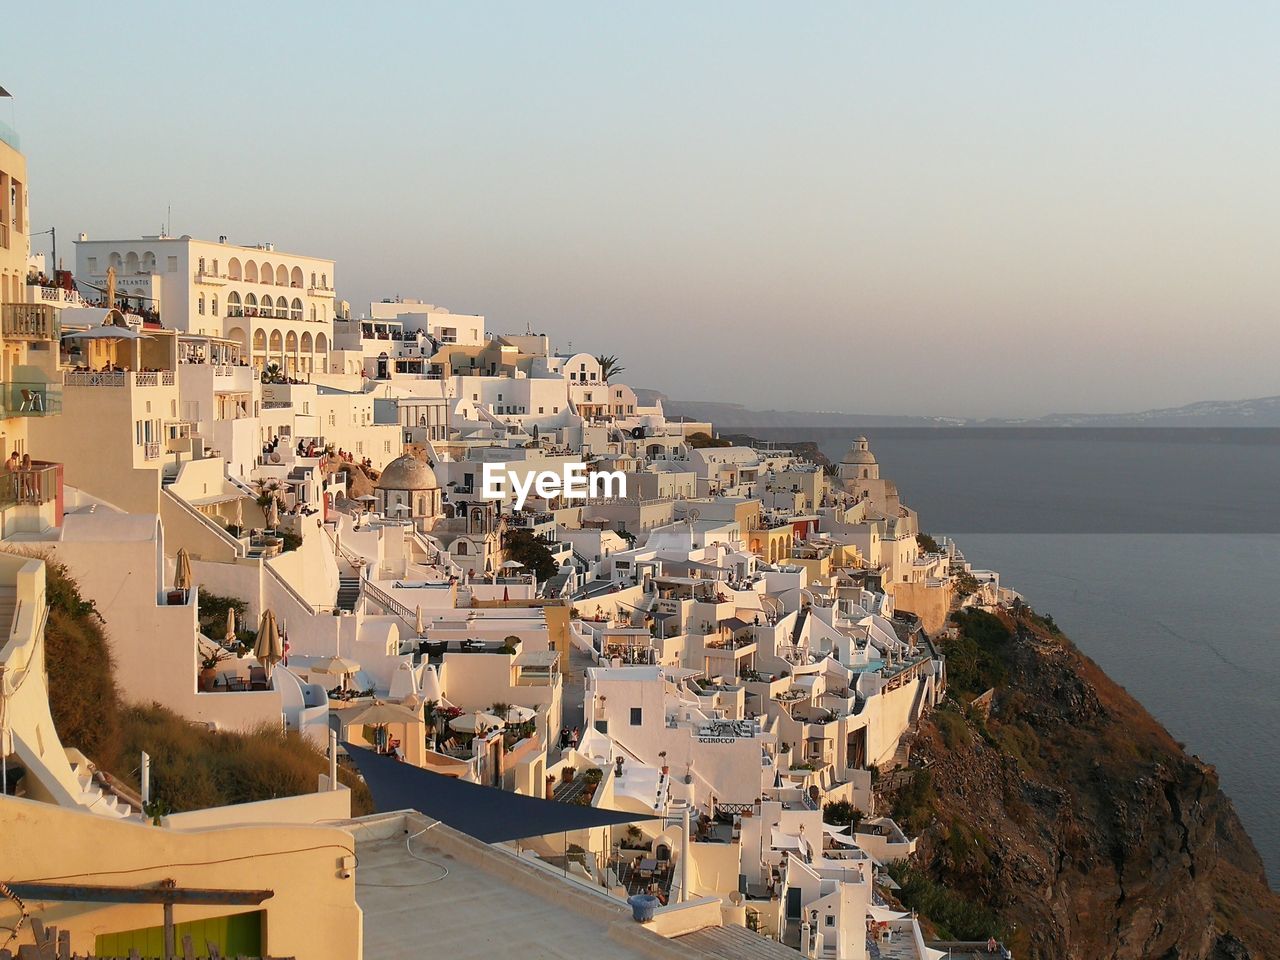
258	678
32	400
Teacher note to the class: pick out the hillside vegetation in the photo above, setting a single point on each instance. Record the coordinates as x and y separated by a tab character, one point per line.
191	766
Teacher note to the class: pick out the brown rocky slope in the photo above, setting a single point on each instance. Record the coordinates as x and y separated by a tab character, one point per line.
1072	815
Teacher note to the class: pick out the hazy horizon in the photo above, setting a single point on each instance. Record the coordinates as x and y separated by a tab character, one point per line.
918	209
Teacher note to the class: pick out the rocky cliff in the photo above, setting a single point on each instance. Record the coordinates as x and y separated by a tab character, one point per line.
1070	814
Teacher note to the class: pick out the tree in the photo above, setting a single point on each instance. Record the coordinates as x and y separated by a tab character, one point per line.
927	544
700	440
523	547
608	366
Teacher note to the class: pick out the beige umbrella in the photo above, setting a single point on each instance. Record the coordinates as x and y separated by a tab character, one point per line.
231	626
267	647
337	544
419	625
519	714
240	514
182	578
474	722
273	514
334	665
381	713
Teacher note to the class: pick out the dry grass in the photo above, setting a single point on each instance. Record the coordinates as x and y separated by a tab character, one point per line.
191	766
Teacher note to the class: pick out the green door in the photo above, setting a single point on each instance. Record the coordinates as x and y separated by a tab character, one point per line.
237	934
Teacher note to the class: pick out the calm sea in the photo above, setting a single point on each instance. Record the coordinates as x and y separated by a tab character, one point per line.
1157	551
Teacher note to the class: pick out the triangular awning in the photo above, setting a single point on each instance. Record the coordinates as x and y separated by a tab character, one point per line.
486	813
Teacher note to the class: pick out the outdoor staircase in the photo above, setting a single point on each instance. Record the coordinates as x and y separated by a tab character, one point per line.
92	795
348	593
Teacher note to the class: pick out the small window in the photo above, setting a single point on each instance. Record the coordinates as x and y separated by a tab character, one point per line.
171	264
636	716
831	920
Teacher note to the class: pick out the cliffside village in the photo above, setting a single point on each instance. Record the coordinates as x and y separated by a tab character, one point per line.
611	725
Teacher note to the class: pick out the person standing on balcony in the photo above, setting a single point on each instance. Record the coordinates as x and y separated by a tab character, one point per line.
28	475
12	466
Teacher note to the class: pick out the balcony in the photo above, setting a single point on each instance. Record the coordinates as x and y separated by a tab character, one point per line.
151	450
320	291
212	279
29	321
118	378
38	485
30	398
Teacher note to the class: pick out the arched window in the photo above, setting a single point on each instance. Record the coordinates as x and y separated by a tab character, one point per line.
233	305
461	548
131	262
214	309
282	276
148	262
295	277
267	273
250	272
250	305
233	269
295	309
116	262
324	281
313	278
202	264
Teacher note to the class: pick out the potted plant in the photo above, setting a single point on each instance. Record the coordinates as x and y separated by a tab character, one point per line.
666	769
209	668
566	774
618	762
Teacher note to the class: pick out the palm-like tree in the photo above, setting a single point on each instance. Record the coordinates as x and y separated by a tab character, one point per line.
608	366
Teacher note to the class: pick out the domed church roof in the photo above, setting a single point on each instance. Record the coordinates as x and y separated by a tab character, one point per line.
407	473
858	453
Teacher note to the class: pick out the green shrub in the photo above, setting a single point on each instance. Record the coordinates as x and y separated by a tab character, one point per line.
955	732
841	813
954	916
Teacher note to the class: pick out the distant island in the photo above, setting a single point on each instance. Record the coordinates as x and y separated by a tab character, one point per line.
1257	412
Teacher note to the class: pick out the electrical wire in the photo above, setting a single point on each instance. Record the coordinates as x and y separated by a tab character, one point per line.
408	841
199	863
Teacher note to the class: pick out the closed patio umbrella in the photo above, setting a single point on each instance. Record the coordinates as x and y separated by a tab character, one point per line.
273	514
231	626
240	514
268	648
419	625
182	578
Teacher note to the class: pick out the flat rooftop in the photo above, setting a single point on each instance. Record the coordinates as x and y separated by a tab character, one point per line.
489	904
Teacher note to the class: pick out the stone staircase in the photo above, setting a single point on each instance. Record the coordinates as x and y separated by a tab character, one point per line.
348	593
92	794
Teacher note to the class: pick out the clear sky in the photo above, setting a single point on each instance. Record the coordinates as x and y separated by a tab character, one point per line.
946	208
